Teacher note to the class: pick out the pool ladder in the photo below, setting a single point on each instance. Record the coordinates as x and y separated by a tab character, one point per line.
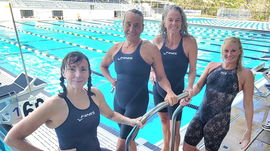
150	113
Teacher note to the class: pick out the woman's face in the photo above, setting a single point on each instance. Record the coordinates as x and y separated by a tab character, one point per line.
231	52
77	74
173	22
133	25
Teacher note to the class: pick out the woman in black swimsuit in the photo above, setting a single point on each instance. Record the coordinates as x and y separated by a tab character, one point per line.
223	81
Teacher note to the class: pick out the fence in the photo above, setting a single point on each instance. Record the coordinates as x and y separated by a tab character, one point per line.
234	13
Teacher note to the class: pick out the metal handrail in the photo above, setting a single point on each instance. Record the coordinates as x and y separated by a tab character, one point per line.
146	116
173	128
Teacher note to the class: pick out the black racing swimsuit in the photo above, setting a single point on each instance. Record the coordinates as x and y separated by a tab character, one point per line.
131	96
212	121
175	64
79	130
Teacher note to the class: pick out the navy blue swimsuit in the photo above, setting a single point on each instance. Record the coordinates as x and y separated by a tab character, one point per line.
175	64
131	97
79	130
212	121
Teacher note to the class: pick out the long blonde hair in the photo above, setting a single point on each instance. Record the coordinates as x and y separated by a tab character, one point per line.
237	41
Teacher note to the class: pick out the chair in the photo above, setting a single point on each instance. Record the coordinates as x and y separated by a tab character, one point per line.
260	69
18	91
266	126
264	71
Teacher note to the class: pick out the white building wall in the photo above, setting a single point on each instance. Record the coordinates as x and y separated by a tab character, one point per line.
71	14
42	14
46	14
101	14
4	11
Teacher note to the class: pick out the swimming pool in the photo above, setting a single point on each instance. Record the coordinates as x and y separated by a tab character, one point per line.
251	25
3	147
45	43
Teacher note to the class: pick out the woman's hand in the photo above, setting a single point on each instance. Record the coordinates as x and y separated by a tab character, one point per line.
113	82
136	121
185	101
246	139
152	77
171	98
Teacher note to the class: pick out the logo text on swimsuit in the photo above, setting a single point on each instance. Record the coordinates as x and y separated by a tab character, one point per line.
125	58
86	115
170	53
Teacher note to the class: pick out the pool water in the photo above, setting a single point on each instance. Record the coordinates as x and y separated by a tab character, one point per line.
54	39
3	147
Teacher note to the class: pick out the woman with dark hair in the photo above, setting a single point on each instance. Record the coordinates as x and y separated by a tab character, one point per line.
133	60
223	80
178	52
73	113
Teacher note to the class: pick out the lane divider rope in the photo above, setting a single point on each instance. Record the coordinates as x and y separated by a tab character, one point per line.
42	53
58	40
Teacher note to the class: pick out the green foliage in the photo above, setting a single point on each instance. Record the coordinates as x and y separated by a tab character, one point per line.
260	9
262	16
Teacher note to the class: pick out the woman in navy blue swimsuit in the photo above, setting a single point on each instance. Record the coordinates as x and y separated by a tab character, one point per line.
74	113
178	51
133	60
223	81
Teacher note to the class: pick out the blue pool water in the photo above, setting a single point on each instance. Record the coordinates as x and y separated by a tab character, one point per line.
57	38
3	147
252	25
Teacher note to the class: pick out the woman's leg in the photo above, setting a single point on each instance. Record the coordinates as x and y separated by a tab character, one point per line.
187	147
194	134
165	121
121	145
215	131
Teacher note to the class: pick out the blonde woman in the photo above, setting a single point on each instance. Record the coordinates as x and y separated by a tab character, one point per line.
223	81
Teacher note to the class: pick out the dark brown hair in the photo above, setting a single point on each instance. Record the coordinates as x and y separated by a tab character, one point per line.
71	58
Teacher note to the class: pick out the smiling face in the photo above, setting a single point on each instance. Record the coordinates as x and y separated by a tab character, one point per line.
173	22
133	25
76	74
232	50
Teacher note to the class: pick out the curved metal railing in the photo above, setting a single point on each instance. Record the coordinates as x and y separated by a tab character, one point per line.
145	117
173	128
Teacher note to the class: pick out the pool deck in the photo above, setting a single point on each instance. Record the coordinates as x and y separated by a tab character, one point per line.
46	138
